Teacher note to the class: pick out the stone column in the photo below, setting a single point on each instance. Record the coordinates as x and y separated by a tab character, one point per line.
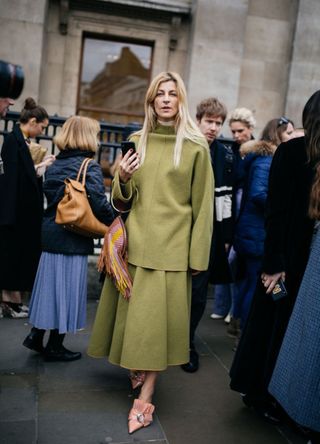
267	55
304	77
216	50
21	37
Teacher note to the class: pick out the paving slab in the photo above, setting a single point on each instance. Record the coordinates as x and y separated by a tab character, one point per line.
87	401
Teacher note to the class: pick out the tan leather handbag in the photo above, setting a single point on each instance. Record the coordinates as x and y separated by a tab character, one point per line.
74	211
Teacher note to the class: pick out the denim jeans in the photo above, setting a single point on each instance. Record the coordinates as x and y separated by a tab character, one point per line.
224	293
245	289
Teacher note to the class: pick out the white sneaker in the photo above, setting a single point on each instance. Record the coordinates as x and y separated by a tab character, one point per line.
216	316
24	308
227	319
9	312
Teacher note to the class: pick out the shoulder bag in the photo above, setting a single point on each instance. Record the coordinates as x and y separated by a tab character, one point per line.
74	211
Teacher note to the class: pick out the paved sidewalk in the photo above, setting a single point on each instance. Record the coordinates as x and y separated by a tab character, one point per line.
87	401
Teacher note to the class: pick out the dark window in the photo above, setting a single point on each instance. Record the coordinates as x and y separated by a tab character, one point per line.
114	79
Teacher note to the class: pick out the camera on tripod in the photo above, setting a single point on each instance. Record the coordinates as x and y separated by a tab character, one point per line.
11	80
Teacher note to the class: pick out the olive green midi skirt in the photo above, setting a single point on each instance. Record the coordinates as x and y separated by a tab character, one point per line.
150	330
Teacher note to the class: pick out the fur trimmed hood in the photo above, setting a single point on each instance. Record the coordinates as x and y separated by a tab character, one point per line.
257	147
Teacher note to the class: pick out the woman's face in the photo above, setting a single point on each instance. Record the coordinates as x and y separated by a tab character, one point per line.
288	133
36	128
240	132
166	103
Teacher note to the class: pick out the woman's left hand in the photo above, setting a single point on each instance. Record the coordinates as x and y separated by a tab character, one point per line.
128	165
269	280
42	166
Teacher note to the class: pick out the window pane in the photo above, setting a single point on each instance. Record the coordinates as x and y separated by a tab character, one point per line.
114	80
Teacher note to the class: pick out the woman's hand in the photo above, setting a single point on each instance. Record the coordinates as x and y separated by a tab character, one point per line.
42	166
128	165
269	280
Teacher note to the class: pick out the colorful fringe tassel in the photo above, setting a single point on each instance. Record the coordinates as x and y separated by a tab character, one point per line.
114	257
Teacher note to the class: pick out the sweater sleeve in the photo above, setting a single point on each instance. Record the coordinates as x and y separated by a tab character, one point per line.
259	184
123	192
202	195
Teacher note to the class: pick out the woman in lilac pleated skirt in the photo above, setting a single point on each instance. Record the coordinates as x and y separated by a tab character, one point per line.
58	301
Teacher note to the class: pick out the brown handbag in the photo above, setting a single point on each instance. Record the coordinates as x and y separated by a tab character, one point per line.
74	211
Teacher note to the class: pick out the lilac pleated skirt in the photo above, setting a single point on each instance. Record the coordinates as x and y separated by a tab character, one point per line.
59	294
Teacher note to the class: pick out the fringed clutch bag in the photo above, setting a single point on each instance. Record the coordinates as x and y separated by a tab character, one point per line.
114	257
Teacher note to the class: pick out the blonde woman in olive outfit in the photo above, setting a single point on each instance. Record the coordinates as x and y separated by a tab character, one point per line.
169	229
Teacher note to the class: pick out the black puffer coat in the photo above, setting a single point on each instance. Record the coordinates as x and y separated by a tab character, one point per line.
56	239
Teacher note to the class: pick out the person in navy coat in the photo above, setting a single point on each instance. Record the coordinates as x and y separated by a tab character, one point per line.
250	227
249	231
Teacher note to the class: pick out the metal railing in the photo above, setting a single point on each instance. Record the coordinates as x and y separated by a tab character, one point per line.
111	136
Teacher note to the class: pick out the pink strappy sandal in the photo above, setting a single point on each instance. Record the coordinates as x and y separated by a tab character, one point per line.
137	378
140	415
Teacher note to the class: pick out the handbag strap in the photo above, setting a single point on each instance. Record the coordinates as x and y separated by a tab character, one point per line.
83	170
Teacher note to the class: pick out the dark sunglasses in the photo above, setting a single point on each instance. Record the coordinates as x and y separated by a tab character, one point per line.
283	121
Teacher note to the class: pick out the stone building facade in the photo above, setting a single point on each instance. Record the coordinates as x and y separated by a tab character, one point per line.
253	53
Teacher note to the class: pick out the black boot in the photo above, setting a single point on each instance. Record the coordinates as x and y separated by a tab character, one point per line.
265	408
34	340
55	351
193	365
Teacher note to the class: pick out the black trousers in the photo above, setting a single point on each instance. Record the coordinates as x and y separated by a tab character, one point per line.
200	284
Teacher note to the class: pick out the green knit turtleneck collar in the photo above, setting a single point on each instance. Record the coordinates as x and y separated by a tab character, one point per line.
164	129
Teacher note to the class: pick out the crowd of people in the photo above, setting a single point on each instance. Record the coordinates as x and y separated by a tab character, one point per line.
238	220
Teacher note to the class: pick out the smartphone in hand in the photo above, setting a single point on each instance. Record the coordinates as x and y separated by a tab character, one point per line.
279	291
126	146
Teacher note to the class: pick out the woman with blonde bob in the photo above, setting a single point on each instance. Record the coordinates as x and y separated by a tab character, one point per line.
170	184
58	301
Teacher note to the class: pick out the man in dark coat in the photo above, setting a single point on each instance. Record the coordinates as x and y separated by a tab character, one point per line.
288	238
211	114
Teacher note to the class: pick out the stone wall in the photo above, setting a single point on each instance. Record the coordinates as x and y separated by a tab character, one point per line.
253	53
21	35
61	65
304	77
266	59
216	50
240	51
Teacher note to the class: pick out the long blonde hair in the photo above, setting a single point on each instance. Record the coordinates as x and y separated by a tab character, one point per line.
184	125
78	132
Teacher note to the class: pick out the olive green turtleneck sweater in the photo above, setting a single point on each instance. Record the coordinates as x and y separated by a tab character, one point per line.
171	220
